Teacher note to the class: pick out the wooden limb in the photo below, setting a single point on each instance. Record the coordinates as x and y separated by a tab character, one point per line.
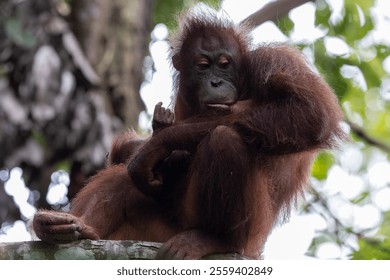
358	131
89	250
273	11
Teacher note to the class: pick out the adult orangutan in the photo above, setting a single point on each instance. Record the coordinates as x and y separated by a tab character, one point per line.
248	124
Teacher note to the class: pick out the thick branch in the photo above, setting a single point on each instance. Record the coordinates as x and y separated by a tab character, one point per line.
89	250
273	11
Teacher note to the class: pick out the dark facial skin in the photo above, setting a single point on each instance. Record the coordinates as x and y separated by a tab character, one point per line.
215	72
211	69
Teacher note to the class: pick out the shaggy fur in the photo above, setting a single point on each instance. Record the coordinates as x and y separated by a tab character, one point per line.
211	182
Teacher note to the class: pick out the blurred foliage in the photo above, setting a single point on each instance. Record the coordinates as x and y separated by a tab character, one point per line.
359	80
286	25
18	34
373	249
356	73
321	165
165	11
357	77
377	247
366	103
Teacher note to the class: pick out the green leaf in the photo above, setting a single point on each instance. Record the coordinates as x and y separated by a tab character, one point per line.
15	31
382	51
385	227
356	23
354	97
373	72
372	249
365	5
63	165
165	11
378	247
39	138
378	127
321	165
361	198
285	25
329	67
322	14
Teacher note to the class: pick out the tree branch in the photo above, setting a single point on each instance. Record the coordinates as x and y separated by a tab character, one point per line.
273	11
90	250
367	138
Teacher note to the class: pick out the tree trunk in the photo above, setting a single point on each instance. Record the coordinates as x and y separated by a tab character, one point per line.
115	35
